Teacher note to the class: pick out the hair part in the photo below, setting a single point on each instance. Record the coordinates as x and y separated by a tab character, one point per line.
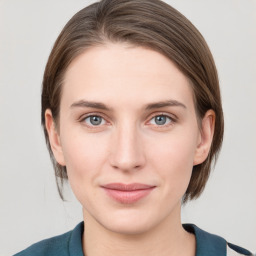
147	23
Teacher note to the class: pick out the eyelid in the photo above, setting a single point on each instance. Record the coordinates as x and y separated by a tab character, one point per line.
173	118
84	116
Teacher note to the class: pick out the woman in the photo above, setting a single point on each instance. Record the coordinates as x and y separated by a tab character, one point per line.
132	115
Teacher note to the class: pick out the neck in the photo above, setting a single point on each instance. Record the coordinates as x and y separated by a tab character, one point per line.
168	238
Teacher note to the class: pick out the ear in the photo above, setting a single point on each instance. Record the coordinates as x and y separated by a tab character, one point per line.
54	137
205	138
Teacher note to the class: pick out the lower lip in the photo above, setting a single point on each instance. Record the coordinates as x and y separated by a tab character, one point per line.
128	197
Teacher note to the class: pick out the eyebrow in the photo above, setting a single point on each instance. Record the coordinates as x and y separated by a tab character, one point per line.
99	105
167	103
89	104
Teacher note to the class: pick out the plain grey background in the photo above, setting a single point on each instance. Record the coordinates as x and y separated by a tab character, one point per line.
30	208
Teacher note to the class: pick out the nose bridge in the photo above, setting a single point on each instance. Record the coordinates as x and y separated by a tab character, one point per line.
126	149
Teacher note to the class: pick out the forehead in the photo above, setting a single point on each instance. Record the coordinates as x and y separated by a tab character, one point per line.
131	73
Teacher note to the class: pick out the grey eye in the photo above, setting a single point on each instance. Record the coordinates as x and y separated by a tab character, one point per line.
160	120
94	120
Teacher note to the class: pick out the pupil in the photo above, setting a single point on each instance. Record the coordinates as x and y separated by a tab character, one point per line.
160	120
95	120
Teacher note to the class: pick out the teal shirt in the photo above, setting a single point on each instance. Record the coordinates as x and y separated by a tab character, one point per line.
70	244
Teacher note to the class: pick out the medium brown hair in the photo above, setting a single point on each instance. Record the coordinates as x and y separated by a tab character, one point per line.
148	23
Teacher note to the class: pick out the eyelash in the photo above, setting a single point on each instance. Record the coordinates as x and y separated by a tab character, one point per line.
83	118
172	120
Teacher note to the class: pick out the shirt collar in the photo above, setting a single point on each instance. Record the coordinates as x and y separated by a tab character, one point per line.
75	242
206	243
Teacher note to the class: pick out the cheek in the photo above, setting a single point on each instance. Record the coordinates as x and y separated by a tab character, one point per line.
84	155
173	158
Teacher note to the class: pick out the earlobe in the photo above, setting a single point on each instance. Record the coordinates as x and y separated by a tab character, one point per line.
54	137
206	136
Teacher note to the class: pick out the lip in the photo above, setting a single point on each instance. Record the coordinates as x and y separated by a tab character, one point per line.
127	193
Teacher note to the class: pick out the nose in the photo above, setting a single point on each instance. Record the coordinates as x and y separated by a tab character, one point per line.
126	149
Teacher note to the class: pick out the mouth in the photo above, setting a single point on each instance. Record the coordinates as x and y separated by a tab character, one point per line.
127	193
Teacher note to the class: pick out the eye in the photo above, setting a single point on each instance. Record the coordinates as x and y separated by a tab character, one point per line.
160	120
94	120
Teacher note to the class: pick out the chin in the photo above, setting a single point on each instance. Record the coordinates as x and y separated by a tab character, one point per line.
129	222
128	228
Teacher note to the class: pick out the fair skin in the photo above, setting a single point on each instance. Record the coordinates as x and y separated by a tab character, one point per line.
127	116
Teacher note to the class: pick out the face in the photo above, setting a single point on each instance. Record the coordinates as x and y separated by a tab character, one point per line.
128	135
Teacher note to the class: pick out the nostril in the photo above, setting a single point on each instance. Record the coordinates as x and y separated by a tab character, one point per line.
126	166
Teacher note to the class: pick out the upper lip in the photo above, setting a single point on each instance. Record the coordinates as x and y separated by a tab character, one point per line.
127	187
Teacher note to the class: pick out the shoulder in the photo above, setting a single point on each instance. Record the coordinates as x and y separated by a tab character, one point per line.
52	246
58	245
212	245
